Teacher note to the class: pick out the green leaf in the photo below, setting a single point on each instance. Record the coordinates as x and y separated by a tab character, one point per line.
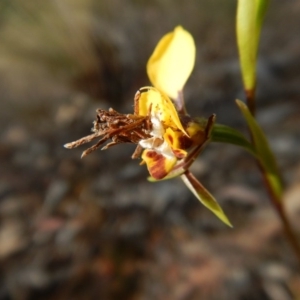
204	196
229	135
261	9
250	15
263	150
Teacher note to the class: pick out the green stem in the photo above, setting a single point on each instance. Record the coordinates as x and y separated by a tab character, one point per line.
267	166
279	208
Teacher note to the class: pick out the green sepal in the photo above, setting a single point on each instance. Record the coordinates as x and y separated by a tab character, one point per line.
204	196
263	150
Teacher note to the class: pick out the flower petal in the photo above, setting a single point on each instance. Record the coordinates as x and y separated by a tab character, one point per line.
158	165
150	100
178	142
172	62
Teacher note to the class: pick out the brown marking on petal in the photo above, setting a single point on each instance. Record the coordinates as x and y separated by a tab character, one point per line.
171	139
157	167
185	142
199	138
153	155
179	154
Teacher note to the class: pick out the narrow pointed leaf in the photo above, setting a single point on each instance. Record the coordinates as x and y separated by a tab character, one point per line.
229	135
261	9
250	15
204	196
263	150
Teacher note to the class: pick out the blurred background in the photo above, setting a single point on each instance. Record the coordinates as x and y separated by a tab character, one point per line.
95	228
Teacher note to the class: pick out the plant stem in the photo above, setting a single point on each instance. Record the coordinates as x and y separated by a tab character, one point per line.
279	208
275	197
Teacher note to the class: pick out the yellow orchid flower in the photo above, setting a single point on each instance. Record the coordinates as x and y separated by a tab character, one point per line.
174	143
172	62
167	142
168	139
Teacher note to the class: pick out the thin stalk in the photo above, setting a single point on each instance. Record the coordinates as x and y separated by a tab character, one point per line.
276	201
275	198
280	210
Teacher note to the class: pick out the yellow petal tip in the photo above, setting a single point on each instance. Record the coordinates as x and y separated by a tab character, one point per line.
172	61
